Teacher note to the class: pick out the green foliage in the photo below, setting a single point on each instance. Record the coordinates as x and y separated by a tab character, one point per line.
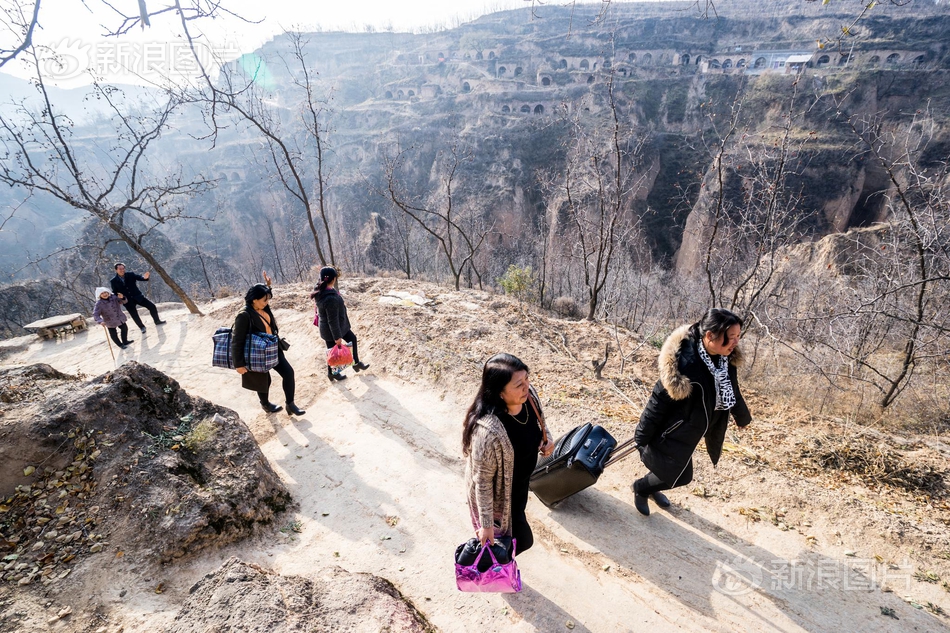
519	282
195	438
659	337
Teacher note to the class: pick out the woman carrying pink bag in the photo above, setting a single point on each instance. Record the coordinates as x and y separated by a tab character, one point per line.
503	434
335	325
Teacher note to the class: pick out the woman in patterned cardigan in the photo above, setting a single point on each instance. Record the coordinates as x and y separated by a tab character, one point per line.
501	438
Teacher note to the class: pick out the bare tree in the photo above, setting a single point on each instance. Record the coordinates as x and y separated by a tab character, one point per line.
458	234
398	245
911	277
595	194
297	159
756	212
880	313
20	19
116	186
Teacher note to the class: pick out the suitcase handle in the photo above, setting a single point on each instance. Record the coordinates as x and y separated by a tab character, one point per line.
621	451
596	451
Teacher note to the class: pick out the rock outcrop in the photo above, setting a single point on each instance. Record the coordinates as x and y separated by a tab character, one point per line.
126	461
244	597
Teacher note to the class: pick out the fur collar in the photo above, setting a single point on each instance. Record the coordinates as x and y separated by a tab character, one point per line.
677	384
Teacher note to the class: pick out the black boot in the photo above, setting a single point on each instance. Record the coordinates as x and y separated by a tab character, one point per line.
332	375
642	504
270	407
358	367
293	409
661	500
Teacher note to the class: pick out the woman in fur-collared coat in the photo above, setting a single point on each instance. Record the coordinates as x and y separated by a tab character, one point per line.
697	390
503	434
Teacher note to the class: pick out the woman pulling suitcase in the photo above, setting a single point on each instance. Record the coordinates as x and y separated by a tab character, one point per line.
697	390
502	436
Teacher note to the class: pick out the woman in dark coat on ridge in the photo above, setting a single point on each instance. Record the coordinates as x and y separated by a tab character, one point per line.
697	390
334	323
256	316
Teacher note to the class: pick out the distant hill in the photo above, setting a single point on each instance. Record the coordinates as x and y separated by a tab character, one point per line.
508	91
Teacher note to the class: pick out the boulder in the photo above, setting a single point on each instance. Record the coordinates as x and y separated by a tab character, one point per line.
243	597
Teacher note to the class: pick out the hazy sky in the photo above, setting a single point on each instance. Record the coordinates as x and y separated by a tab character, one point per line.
74	29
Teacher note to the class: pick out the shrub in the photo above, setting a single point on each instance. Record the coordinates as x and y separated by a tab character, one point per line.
195	438
520	283
566	307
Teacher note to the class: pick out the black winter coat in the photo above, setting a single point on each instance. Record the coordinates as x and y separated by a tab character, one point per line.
334	324
247	321
126	285
682	408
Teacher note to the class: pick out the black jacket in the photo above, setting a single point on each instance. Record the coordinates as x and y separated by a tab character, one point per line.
247	321
126	286
681	409
334	324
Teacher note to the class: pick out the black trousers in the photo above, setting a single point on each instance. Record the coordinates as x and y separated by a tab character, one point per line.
115	336
520	529
286	373
131	306
649	484
349	337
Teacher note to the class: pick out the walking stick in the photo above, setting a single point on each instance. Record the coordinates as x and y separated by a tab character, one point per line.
109	341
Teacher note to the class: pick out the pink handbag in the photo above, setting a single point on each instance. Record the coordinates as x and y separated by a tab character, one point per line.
499	578
339	356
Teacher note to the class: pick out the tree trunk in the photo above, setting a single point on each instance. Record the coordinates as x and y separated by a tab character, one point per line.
147	256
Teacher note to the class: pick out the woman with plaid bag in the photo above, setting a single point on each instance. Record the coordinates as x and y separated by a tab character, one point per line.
256	316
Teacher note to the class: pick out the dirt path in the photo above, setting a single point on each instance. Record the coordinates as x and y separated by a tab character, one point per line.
374	466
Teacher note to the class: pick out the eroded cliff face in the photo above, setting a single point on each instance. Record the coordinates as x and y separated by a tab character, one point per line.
511	93
514	96
804	148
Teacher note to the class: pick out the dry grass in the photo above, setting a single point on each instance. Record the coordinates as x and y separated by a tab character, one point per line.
922	407
874	462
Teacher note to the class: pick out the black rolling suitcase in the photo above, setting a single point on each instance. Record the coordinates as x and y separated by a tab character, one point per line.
578	459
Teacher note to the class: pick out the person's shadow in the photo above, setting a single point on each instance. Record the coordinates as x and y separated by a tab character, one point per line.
320	477
703	566
540	612
388	414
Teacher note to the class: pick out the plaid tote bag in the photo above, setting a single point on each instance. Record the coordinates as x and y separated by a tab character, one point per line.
260	350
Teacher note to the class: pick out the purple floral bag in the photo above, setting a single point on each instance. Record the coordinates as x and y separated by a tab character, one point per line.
499	578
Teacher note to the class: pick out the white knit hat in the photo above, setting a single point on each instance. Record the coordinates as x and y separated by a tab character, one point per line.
100	290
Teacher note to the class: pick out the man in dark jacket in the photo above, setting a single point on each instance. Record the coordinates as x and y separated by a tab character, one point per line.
124	285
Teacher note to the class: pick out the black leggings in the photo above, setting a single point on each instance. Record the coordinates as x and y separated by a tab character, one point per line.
520	529
650	483
115	336
134	312
349	337
287	374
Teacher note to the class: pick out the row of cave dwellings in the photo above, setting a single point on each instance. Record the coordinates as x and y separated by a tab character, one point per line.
761	63
713	63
